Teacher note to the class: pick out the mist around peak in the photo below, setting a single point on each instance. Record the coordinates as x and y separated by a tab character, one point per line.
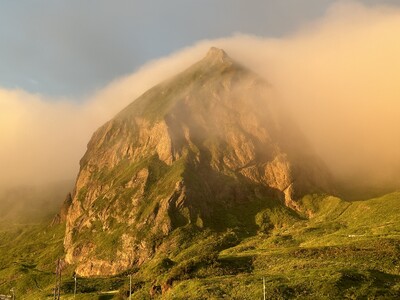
337	76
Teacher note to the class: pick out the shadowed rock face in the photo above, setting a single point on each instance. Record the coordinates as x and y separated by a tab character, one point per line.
191	150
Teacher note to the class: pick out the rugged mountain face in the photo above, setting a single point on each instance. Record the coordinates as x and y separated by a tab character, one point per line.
207	148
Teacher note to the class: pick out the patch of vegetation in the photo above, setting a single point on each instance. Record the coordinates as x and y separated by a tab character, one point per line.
343	250
316	258
28	259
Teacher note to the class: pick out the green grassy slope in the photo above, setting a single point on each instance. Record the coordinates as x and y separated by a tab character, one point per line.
27	257
336	250
345	250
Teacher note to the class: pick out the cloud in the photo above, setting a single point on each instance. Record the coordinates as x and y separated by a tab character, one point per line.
38	138
338	76
42	139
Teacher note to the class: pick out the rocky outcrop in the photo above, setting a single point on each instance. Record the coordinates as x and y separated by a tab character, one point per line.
189	151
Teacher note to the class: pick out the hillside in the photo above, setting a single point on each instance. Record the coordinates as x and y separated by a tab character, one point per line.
207	149
202	188
339	250
345	250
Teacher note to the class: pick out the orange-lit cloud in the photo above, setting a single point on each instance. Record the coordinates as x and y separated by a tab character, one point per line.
338	76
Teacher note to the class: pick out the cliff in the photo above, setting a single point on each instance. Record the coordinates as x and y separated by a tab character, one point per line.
208	148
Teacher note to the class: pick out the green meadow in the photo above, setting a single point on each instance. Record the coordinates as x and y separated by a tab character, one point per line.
332	249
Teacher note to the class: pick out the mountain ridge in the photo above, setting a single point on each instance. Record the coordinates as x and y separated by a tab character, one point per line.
193	202
188	152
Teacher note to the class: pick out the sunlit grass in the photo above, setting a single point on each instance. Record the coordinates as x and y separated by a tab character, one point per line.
344	250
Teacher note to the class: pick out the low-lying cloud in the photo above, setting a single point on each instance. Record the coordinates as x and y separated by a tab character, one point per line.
338	76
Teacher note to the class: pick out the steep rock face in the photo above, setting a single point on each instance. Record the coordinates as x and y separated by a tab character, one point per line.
191	150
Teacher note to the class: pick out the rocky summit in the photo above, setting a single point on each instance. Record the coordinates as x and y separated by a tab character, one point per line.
209	149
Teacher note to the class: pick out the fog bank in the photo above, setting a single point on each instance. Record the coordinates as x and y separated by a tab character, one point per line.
338	76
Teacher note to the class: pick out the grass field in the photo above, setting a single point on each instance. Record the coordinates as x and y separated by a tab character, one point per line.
335	250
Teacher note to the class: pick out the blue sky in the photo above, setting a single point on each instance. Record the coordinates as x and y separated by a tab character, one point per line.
71	48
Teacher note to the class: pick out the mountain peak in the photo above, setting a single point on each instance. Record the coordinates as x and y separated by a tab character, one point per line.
202	149
217	54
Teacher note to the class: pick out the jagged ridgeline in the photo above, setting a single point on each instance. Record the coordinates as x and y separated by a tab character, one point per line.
207	149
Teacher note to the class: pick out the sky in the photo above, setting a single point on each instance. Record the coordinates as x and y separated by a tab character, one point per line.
69	66
72	48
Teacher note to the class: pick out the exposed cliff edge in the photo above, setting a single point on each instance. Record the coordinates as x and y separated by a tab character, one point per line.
209	147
